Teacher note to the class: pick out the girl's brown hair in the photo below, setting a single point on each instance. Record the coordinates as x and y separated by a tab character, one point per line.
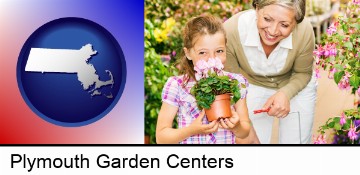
196	27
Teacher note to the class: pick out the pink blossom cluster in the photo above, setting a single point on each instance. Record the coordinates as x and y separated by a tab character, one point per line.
331	73
320	139
342	119
333	27
356	2
352	134
344	83
324	51
212	65
340	48
327	50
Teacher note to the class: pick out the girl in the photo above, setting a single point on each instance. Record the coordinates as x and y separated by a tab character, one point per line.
204	38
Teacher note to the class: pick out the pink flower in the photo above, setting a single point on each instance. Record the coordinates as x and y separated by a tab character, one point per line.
218	64
213	65
356	2
344	82
317	60
320	139
342	119
165	57
167	10
223	5
198	76
201	69
333	50
201	65
331	73
351	31
331	30
317	73
319	51
330	50
358	91
352	133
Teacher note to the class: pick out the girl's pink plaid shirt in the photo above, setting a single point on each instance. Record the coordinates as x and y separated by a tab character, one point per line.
174	94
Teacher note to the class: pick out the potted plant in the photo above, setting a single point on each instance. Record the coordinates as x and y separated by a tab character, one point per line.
339	53
345	127
214	91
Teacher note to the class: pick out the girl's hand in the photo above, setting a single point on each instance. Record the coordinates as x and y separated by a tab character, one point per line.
230	123
280	105
199	128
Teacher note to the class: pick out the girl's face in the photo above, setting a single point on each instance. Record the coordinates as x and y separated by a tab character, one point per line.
207	46
274	23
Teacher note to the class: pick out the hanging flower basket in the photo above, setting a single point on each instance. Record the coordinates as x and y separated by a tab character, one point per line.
339	53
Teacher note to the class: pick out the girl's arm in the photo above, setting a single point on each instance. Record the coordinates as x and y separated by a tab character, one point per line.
166	134
243	128
242	110
251	139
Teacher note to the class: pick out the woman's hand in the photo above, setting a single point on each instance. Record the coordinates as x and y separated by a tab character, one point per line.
279	104
230	123
197	127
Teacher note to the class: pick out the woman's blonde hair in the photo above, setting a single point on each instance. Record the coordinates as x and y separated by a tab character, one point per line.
297	5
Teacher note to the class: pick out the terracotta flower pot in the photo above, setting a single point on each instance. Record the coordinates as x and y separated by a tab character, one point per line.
220	108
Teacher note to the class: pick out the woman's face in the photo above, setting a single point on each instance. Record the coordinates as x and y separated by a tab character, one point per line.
207	46
274	23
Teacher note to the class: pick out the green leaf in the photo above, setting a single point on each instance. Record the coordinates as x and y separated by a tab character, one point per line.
349	45
325	127
338	76
193	91
243	85
153	113
357	26
357	116
346	126
331	124
354	81
339	67
337	126
348	122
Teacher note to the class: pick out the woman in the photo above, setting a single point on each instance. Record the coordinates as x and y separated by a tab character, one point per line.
272	46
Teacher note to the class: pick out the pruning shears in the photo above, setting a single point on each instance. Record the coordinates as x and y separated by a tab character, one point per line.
261	110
